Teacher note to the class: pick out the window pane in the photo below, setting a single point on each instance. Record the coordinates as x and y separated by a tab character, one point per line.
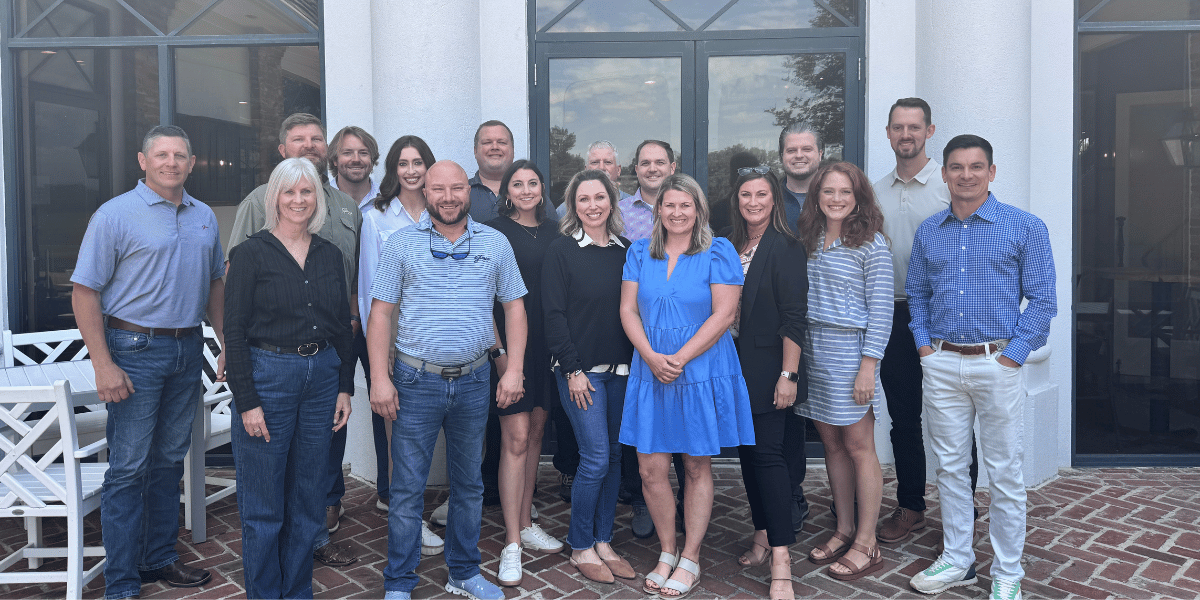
1140	10
80	134
615	15
783	14
696	12
93	18
622	100
751	98
245	17
1137	316
231	102
167	16
26	11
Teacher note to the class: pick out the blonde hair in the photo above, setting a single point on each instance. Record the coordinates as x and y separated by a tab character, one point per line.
701	234
290	172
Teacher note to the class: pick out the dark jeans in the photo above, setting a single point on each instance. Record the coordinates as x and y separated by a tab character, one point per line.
765	474
281	497
900	374
566	450
594	493
148	435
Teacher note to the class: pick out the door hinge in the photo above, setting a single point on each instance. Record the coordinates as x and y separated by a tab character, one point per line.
860	69
534	74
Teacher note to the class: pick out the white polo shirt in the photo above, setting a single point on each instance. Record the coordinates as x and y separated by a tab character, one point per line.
905	205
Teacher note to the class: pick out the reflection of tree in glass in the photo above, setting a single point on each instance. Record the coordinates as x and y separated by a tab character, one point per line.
823	77
563	164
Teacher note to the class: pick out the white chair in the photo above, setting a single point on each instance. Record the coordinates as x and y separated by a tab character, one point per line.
44	347
34	487
217	398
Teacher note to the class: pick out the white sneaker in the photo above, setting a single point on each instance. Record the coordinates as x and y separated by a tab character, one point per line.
533	513
942	575
440	514
1006	589
534	538
381	505
431	544
510	573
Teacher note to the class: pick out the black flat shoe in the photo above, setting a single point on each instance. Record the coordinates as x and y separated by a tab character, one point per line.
177	574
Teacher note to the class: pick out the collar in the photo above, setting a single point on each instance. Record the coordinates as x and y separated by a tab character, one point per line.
370	197
988	211
584	240
274	241
636	199
922	177
426	224
151	197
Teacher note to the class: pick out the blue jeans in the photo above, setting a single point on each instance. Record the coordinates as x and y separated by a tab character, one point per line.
281	495
148	436
429	403
594	493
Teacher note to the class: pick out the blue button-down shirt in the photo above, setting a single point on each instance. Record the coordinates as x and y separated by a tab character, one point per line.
966	279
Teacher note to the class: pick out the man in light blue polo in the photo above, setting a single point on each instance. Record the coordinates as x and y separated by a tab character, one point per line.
444	273
149	266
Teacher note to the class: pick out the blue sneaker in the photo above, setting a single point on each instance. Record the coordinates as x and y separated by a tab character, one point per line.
397	595
475	588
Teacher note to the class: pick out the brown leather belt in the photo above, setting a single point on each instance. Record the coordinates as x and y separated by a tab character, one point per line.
116	323
972	350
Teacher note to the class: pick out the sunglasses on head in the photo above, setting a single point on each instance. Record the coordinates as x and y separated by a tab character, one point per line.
761	170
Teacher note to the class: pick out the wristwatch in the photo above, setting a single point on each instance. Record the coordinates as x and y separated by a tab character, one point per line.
495	353
790	376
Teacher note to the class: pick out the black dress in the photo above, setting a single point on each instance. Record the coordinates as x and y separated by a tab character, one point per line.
529	245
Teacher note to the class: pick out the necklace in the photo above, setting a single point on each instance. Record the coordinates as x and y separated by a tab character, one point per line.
755	237
532	231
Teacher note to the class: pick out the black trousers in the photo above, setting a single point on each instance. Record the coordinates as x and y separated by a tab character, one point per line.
793	449
900	374
765	472
566	449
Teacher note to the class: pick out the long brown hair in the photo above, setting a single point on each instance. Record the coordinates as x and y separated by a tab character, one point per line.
859	227
739	236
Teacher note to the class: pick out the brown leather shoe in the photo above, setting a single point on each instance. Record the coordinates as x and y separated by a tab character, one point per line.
335	555
598	573
900	524
620	567
177	574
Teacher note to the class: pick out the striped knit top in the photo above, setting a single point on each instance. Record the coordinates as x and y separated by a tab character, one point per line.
852	288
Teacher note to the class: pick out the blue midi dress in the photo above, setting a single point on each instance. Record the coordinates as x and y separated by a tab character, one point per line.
707	407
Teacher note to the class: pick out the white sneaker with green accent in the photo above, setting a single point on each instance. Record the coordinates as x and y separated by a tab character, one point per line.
1006	589
942	575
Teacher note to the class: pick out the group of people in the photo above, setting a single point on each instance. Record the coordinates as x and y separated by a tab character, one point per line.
648	338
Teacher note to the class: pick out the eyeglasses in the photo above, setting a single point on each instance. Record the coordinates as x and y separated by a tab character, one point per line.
441	255
761	170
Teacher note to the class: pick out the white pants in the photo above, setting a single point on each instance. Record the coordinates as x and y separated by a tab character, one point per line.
957	389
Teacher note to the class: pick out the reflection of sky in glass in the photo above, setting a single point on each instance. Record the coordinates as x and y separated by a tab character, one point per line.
770	14
613	15
1140	10
623	100
695	12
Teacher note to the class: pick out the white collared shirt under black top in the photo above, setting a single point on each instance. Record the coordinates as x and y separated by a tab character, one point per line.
581	298
270	299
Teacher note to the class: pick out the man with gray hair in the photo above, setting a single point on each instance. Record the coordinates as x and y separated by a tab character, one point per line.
303	136
602	156
149	267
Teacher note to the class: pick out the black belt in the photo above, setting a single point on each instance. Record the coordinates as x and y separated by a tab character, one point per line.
308	349
123	325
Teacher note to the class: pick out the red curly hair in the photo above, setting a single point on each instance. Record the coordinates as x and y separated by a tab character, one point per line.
858	228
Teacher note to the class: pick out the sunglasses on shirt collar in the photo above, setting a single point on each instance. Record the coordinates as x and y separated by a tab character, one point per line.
441	255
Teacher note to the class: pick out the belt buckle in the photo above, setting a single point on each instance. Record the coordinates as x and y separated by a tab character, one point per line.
451	372
301	350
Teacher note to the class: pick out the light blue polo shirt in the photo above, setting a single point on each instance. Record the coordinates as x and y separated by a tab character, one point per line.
152	262
446	304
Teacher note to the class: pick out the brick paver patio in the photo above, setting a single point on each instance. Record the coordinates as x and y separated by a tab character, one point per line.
1096	533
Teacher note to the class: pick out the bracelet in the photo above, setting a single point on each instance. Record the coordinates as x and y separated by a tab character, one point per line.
574	373
356	318
495	353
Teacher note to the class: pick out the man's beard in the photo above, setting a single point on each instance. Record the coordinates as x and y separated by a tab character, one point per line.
436	215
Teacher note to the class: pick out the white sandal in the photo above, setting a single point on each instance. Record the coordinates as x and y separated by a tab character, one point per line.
674	584
667	559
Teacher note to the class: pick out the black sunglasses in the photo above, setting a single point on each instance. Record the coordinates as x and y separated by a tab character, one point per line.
440	255
761	170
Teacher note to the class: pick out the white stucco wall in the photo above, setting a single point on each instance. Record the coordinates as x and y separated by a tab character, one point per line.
466	63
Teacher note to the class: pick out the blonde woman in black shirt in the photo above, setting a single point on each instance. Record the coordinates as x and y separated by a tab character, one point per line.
581	284
291	369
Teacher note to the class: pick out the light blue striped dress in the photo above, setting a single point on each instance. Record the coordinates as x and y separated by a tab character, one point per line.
850	303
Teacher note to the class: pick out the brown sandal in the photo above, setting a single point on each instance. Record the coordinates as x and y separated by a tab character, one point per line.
874	563
831	555
747	558
782	573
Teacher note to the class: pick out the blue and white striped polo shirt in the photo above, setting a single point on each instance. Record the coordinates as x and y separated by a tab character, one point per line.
446	304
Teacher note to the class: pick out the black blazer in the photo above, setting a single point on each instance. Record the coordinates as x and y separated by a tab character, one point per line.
774	306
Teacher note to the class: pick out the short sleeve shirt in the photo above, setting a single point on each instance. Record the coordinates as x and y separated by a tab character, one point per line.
905	204
152	262
446	304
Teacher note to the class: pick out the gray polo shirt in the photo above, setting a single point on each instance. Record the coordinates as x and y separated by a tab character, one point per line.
152	262
342	223
446	304
905	205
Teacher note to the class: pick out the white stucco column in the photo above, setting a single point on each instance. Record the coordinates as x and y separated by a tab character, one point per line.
978	73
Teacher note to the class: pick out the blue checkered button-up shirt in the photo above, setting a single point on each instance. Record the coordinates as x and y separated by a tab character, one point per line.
967	278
